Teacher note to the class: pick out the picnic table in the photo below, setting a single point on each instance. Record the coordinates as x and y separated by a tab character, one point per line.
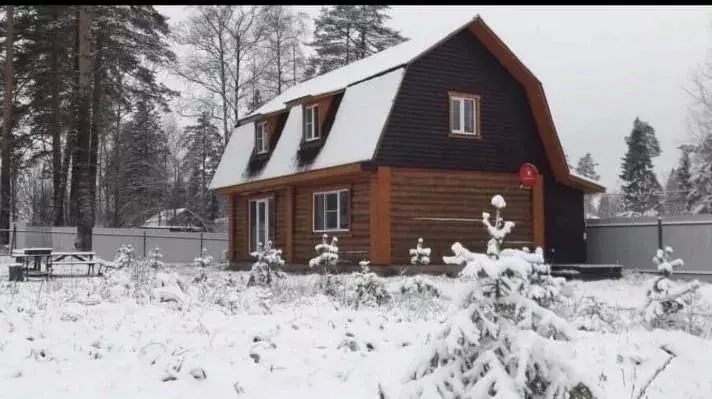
33	259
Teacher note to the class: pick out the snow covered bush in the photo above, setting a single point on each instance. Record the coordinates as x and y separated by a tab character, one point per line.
327	256
420	255
495	343
269	261
204	260
365	288
419	285
124	256
155	258
542	287
326	260
664	301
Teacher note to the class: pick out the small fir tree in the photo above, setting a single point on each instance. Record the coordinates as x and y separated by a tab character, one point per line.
269	263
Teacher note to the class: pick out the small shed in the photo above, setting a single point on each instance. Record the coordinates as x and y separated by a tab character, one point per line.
179	219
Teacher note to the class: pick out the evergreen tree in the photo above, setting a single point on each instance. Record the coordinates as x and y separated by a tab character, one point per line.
347	33
641	189
679	185
700	197
143	155
203	145
587	168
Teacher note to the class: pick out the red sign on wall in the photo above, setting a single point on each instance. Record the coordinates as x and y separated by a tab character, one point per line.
528	175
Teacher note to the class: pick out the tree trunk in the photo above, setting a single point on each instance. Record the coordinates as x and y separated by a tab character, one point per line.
96	124
236	107
84	207
72	150
223	91
7	130
58	177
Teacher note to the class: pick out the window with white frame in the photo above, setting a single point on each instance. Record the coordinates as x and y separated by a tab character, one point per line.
331	211
311	123
464	114
261	137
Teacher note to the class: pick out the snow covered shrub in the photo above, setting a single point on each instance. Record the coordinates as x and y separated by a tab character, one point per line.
327	256
420	255
664	301
365	288
327	259
418	285
124	256
269	261
542	287
495	343
155	258
204	260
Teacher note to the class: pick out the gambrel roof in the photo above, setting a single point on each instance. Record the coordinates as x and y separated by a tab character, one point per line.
369	88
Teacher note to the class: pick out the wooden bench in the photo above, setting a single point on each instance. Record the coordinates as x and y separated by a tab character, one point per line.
73	258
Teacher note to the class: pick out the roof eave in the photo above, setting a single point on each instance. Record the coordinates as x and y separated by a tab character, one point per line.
585	185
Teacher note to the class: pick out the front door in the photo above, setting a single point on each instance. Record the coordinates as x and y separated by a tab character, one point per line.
260	222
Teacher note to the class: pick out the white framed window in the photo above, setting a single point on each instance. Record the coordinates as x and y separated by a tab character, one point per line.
331	211
464	114
261	221
311	123
261	137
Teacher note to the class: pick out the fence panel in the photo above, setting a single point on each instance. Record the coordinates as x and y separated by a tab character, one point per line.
176	247
632	242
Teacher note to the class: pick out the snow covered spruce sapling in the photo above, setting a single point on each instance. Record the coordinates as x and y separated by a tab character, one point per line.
326	260
204	260
124	256
662	300
268	264
496	344
155	259
418	285
365	288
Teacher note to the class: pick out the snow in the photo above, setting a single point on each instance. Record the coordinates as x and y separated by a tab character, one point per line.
357	127
584	178
88	338
363	69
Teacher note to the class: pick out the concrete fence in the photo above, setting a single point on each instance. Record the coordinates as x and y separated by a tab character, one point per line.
176	247
632	242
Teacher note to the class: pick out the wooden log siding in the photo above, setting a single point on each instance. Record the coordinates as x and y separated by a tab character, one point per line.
356	239
433	194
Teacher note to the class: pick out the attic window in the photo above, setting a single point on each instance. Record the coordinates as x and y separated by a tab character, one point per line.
311	123
261	137
464	114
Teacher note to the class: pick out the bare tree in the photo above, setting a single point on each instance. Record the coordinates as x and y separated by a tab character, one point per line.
5	192
207	33
285	31
85	206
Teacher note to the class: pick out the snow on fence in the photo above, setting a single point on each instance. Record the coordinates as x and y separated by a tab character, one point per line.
177	247
631	241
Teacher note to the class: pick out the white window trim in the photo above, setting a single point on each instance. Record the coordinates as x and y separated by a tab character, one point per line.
256	201
264	134
314	132
338	211
461	101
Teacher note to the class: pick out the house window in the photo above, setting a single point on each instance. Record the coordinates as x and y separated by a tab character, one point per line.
331	211
262	217
311	123
262	138
464	114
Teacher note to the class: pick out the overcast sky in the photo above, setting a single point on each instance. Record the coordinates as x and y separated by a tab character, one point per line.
600	67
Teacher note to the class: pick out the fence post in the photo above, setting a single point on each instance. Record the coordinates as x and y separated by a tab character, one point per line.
13	243
660	232
144	243
200	254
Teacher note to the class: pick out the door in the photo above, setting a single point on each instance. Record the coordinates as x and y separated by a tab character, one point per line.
260	222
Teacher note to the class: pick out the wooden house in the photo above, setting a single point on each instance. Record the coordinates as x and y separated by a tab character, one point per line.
410	142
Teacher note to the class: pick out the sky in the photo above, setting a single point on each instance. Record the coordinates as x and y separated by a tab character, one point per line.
601	67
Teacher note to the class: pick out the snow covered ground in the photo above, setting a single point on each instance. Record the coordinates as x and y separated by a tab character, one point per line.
184	332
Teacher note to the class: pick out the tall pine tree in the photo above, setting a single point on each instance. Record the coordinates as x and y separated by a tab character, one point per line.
641	189
586	167
347	33
679	185
203	145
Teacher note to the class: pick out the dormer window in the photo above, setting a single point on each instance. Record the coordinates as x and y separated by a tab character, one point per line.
311	123
261	137
464	114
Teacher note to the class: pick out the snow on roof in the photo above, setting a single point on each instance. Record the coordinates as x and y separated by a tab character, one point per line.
584	178
354	135
162	217
363	69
